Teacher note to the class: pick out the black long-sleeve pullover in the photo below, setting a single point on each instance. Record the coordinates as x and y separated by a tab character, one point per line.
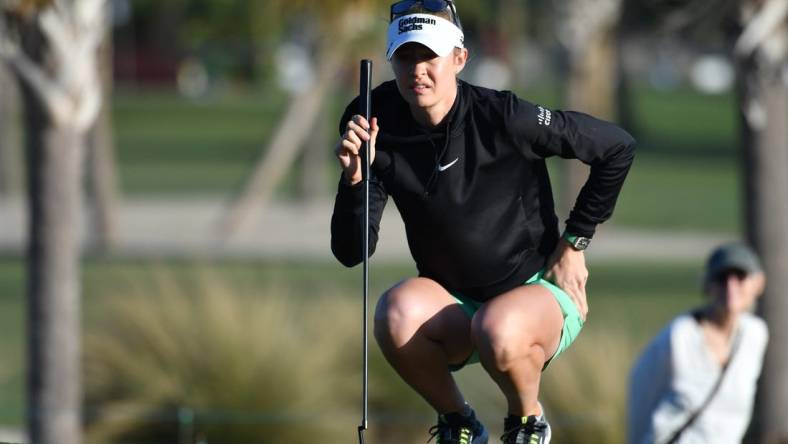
474	192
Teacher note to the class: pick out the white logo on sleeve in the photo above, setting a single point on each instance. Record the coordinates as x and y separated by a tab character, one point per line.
545	116
448	165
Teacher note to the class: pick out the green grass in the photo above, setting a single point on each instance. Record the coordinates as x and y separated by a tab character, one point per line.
663	194
169	144
640	298
12	316
686	174
635	298
694	194
678	123
684	124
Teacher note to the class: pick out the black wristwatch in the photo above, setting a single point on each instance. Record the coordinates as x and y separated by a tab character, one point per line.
579	243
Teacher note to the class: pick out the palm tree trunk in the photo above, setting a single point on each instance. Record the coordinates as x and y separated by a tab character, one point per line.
101	162
54	177
10	163
764	101
592	77
591	89
53	313
56	67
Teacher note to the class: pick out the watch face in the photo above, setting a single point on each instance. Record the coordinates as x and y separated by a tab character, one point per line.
581	243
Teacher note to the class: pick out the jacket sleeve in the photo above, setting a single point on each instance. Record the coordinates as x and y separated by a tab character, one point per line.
347	221
608	149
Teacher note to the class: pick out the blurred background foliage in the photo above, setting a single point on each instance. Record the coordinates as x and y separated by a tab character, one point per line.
234	350
191	350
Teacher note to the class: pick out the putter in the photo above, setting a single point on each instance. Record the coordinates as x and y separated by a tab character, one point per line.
365	97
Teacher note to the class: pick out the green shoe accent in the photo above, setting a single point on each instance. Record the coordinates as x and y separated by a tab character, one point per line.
526	430
458	428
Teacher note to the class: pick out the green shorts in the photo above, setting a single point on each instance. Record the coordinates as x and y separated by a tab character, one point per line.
573	323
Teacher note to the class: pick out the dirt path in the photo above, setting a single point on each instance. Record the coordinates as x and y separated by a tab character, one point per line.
187	227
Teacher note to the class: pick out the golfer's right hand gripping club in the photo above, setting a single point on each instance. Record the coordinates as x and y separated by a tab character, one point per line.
365	96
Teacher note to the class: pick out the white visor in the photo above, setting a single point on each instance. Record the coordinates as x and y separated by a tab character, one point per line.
436	33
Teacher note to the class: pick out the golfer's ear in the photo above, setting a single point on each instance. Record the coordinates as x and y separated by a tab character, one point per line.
460	58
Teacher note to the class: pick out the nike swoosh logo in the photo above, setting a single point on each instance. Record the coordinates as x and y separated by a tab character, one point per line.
448	165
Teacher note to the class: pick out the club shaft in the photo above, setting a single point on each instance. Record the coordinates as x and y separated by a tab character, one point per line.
366	105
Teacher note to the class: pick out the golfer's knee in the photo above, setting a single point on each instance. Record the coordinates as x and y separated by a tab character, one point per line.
398	316
505	346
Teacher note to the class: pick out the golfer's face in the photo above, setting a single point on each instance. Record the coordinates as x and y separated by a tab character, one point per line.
423	78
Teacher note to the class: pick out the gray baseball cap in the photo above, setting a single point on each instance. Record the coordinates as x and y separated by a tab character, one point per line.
733	256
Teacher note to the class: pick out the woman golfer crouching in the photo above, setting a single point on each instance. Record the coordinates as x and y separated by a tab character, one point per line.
465	167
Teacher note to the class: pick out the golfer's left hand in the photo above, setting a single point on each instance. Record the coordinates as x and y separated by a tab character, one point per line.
567	269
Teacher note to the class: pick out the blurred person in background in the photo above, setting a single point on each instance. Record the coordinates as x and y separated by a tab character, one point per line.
695	381
465	165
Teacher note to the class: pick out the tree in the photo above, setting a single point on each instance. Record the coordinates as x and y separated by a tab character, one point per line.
52	48
587	29
102	167
760	55
349	25
10	164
